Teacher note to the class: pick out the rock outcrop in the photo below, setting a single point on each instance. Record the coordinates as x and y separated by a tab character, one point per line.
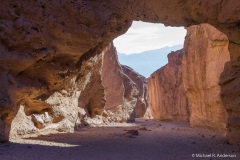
230	95
106	95
65	113
205	53
104	99
140	83
44	43
167	96
125	92
112	79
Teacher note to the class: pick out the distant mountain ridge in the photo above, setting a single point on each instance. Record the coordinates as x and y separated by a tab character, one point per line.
147	62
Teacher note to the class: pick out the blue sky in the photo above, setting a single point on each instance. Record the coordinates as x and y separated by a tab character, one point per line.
144	36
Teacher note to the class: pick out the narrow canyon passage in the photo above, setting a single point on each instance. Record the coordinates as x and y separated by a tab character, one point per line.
155	141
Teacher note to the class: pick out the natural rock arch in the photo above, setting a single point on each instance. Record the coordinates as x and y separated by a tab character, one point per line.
43	44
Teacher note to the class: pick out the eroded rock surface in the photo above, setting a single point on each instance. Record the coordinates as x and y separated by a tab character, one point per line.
118	98
140	83
230	94
64	112
102	97
205	53
167	96
125	90
112	79
44	43
115	110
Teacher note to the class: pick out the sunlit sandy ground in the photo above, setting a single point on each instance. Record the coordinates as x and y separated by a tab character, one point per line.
156	141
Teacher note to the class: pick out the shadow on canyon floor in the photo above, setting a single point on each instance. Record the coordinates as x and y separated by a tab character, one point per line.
156	141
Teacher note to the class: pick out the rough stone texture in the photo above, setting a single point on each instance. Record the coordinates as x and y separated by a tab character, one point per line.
114	93
141	85
103	99
64	114
93	100
205	53
112	79
43	43
167	96
149	113
230	94
125	90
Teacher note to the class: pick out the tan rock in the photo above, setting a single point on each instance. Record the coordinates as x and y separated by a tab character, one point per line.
112	79
149	113
124	90
141	85
205	53
41	54
108	75
92	97
167	96
98	99
130	95
230	91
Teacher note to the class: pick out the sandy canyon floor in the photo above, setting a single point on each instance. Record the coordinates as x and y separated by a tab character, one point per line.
144	140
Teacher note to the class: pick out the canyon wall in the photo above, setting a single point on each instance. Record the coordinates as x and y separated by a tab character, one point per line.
140	83
64	113
205	53
189	84
230	95
125	90
167	96
44	43
100	98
